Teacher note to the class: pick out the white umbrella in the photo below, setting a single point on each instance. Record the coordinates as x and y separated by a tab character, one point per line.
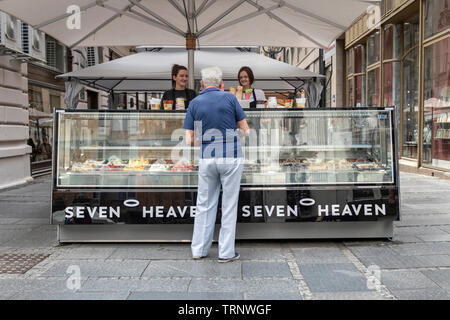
288	23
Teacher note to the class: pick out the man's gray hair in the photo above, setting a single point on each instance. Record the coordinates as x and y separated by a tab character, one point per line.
211	76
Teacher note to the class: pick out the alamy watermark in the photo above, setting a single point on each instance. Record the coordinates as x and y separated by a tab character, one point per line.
73	22
74	281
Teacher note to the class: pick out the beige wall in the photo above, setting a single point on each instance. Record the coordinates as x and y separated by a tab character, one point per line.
14	151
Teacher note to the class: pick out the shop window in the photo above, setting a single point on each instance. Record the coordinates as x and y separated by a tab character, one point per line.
373	88
410	107
360	90
350	61
391	84
350	93
410	33
437	17
392	42
360	59
436	131
373	48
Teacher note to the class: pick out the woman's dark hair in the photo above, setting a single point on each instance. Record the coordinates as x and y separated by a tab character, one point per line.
249	71
175	69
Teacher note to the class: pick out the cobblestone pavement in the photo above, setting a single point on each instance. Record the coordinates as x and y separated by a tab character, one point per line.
415	265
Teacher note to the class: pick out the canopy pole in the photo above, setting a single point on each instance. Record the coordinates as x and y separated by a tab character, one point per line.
191	43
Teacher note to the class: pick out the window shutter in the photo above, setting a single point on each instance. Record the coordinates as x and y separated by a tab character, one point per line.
25	38
91	56
51	53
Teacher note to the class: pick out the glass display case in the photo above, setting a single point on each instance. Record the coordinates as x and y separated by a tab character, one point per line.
129	175
285	148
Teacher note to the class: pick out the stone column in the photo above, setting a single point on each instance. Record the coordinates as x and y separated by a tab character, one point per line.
14	132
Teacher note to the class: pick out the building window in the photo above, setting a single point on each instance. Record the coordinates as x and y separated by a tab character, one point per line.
391	84
391	68
373	48
373	88
410	33
410	107
392	49
35	98
360	59
56	55
437	17
436	131
350	61
350	92
360	90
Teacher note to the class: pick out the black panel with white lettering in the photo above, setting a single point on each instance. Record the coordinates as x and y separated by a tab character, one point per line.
270	206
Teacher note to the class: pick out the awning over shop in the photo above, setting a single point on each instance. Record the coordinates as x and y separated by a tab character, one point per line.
150	71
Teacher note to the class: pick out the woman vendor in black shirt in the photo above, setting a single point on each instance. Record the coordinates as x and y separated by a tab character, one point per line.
179	94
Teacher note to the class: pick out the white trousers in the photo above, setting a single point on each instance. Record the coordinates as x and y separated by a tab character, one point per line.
212	174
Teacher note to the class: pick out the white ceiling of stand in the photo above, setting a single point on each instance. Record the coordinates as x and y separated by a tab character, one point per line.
151	70
289	23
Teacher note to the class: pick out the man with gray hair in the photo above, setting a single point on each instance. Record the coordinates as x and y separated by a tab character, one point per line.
219	117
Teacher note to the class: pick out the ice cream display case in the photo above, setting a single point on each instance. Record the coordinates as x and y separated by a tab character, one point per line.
310	173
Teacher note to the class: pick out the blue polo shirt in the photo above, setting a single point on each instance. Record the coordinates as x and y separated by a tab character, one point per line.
216	113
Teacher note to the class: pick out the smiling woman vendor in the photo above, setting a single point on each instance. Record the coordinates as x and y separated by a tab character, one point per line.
179	94
256	97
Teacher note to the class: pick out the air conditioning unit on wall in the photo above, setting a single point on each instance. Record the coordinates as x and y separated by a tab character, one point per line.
33	42
10	34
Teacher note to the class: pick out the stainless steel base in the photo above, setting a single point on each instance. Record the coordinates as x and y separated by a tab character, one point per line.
247	231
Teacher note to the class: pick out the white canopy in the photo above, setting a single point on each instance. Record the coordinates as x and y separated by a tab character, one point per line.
288	23
150	71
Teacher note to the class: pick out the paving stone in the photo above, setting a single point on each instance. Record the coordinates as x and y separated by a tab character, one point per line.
35	285
258	244
400	280
193	269
246	285
440	277
303	244
251	269
25	227
71	296
420	249
260	253
335	277
433	261
92	268
8	235
434	238
274	296
422	294
445	228
414	231
156	253
391	261
370	251
147	285
39	221
8	221
399	239
359	295
319	255
185	296
84	253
